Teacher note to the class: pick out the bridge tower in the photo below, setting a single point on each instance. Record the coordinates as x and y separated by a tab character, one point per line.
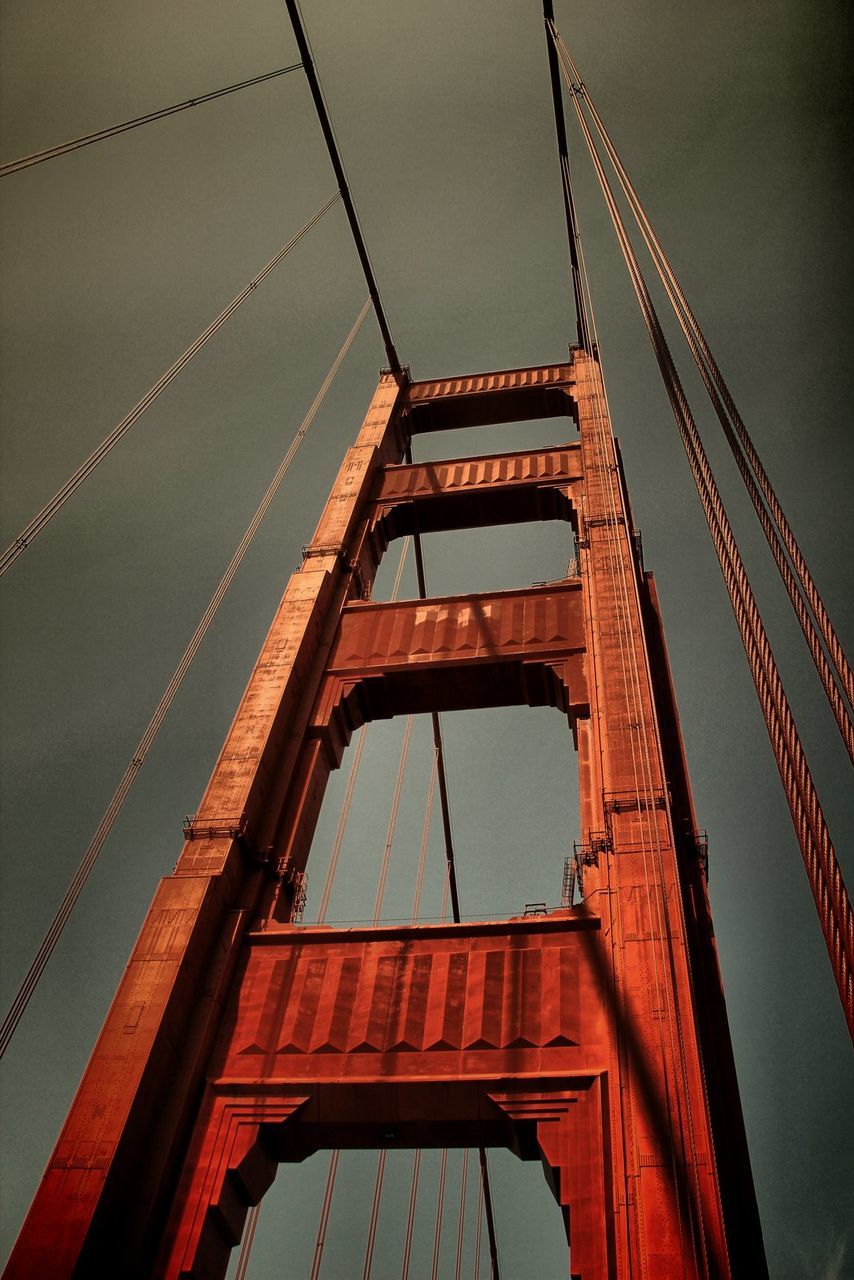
593	1038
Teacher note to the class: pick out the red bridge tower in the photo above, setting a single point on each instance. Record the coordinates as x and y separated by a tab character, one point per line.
594	1038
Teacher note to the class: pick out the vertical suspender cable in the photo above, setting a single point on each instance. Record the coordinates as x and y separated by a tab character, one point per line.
342	824
490	1221
389	842
105	826
410	1216
819	857
341	178
425	839
416	904
324	1215
247	1242
440	1208
793	570
478	1235
392	821
464	1177
375	1213
40	521
351	784
452	879
321	916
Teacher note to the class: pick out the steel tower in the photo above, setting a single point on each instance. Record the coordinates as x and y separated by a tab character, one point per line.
593	1038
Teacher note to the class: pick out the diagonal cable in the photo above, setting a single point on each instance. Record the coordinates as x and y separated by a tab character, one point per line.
573	237
72	893
100	135
40	521
341	178
820	861
791	565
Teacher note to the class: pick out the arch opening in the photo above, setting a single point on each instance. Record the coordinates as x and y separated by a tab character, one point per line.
288	1220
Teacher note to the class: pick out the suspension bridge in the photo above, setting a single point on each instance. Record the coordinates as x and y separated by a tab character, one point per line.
120	521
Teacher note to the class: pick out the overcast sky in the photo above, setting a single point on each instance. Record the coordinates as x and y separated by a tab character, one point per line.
735	122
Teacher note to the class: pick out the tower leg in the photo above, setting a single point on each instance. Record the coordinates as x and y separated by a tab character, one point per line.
230	1166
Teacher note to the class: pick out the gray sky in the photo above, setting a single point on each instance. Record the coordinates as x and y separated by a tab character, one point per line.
735	122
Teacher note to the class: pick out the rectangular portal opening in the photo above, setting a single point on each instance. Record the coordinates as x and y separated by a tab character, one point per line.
530	1231
506	557
513	785
507	396
494	437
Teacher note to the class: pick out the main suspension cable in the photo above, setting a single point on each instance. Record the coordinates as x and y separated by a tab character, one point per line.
105	826
819	857
40	521
341	178
50	153
572	230
793	570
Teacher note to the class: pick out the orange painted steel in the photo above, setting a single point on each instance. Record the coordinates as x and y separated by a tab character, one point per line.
593	1038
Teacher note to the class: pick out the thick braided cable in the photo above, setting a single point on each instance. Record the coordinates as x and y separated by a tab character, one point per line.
804	577
823	870
822	867
703	360
700	351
